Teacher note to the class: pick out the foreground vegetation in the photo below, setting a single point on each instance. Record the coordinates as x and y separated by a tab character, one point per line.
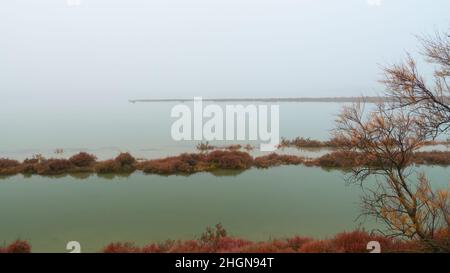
189	163
17	246
217	240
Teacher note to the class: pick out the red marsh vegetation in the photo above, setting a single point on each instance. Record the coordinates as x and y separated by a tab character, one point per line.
217	240
335	142
189	163
17	246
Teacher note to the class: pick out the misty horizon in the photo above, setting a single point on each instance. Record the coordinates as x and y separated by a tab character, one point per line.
121	50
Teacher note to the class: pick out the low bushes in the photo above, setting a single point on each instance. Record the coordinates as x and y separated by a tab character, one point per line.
53	167
276	160
213	240
432	158
334	142
216	240
8	163
345	159
83	159
191	163
123	163
339	159
18	246
9	166
79	163
125	159
184	163
108	166
300	142
121	248
230	160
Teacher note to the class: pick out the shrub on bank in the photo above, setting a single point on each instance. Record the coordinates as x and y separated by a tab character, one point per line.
274	159
8	163
184	163
108	166
339	159
432	158
191	163
83	159
53	167
346	242
18	246
123	163
125	159
235	160
9	166
167	166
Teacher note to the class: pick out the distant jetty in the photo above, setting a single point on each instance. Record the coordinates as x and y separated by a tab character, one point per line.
294	99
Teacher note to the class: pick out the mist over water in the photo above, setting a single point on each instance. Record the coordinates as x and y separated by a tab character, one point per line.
142	129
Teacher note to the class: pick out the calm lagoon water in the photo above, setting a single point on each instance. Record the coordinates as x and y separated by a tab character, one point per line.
142	129
97	210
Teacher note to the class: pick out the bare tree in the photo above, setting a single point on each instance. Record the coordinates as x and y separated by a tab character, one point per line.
401	198
387	138
407	88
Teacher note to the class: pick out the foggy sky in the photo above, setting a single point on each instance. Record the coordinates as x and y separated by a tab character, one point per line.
126	49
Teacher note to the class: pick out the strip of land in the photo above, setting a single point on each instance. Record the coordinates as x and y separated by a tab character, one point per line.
209	161
367	99
301	142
